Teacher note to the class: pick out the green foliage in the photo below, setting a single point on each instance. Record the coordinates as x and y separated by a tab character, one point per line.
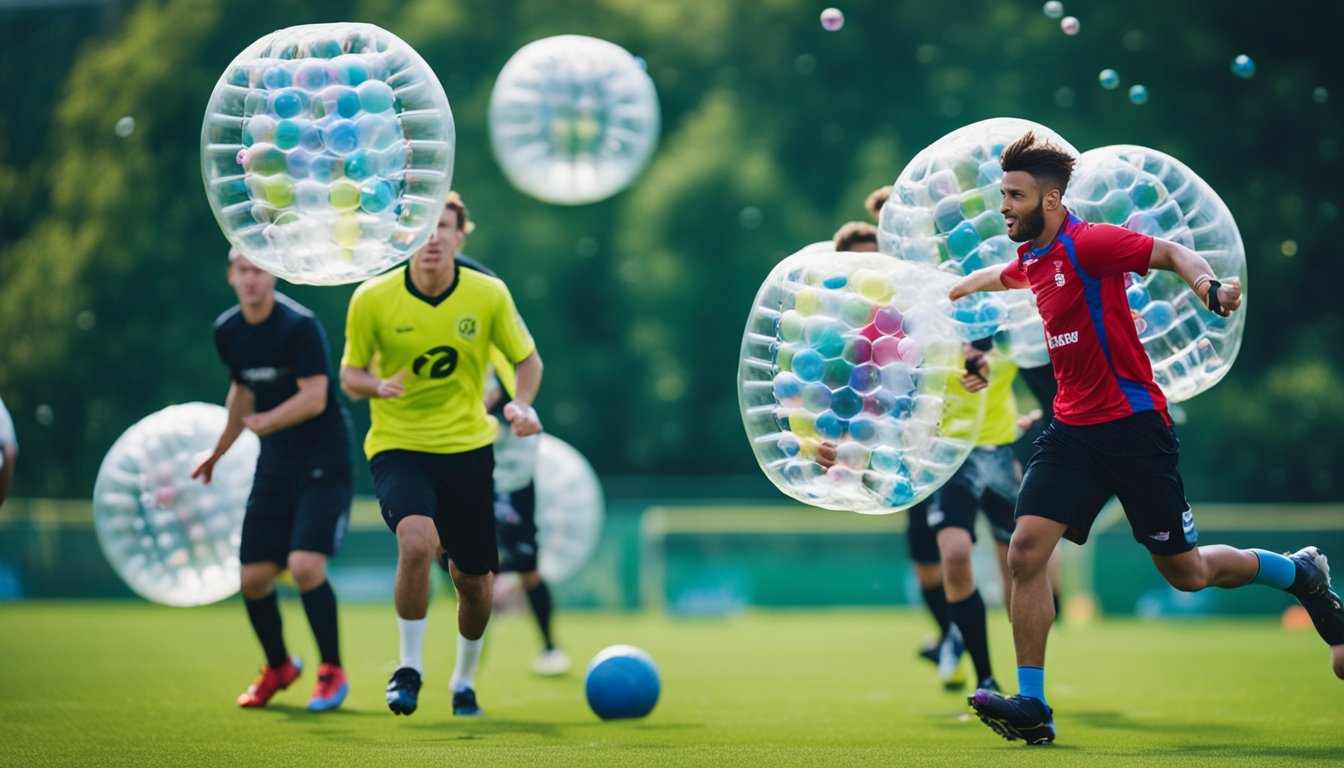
773	131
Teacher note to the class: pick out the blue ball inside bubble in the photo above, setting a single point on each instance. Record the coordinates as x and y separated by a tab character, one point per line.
622	682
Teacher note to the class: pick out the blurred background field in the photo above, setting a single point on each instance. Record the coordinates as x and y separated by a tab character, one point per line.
786	635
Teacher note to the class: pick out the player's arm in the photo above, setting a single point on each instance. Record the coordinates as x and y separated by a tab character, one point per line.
308	403
527	380
983	279
1220	297
360	383
238	404
7	471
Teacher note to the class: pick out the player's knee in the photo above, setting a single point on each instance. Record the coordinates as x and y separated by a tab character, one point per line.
309	569
417	540
531	580
472	586
256	583
1026	558
1185	580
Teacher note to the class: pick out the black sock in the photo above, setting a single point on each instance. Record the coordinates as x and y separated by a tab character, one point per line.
969	616
936	599
320	605
540	598
265	617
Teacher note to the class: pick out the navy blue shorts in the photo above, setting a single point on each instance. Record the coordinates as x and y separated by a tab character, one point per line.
1077	469
516	523
306	512
455	490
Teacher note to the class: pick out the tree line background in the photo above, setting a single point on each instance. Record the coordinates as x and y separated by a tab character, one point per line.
773	131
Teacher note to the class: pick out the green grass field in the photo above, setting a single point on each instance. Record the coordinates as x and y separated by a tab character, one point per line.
133	684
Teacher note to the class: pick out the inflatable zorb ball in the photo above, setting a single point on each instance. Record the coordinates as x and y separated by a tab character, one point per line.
172	539
944	210
570	509
1146	191
855	349
327	152
573	119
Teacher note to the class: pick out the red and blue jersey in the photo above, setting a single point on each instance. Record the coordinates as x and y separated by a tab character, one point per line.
1079	281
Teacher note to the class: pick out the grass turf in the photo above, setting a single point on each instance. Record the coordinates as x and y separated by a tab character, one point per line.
125	683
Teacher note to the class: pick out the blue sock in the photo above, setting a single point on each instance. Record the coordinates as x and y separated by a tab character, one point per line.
1275	570
1031	682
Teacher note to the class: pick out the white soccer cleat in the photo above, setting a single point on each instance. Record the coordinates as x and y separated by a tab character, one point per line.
551	663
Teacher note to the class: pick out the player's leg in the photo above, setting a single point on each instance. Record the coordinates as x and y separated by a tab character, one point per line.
264	546
923	549
465	485
953	520
1061	493
406	496
319	526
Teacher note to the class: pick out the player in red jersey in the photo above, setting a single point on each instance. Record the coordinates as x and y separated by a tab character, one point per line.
1111	434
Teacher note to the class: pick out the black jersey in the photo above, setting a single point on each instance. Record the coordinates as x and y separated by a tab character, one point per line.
269	358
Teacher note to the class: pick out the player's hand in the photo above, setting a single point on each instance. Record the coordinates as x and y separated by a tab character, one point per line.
204	466
523	419
976	377
392	387
1026	420
826	455
1229	298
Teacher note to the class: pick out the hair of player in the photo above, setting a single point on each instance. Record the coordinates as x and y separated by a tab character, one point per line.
875	200
1049	165
464	224
852	233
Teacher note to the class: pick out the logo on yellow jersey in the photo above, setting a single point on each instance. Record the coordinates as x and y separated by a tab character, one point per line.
466	327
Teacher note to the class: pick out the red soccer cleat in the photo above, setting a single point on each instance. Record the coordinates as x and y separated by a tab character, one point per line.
330	690
270	681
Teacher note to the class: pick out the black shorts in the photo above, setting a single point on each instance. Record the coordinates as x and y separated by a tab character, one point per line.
1077	469
455	490
516	526
987	481
306	512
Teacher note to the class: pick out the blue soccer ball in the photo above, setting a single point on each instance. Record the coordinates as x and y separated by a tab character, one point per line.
622	682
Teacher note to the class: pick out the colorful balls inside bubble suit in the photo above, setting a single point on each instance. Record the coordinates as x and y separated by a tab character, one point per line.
1147	191
573	119
172	539
944	211
857	350
327	152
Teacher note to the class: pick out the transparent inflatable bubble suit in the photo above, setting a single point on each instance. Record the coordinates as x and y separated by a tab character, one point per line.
570	509
858	350
1146	191
172	539
944	211
327	152
573	119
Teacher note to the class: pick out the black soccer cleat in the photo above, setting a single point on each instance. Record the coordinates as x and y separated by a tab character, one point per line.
464	704
1015	717
403	691
1312	589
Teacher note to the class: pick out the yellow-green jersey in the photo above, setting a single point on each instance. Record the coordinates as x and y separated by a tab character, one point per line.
1000	425
442	347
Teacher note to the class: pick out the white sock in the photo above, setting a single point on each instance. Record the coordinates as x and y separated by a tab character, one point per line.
412	643
468	658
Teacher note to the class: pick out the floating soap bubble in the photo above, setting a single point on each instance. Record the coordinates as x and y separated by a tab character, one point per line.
573	119
1146	191
1053	9
327	152
1320	94
832	19
172	539
944	211
1243	66
1109	79
570	509
854	349
125	127
1070	25
1138	94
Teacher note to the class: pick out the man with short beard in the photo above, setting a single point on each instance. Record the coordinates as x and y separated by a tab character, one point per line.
1111	434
